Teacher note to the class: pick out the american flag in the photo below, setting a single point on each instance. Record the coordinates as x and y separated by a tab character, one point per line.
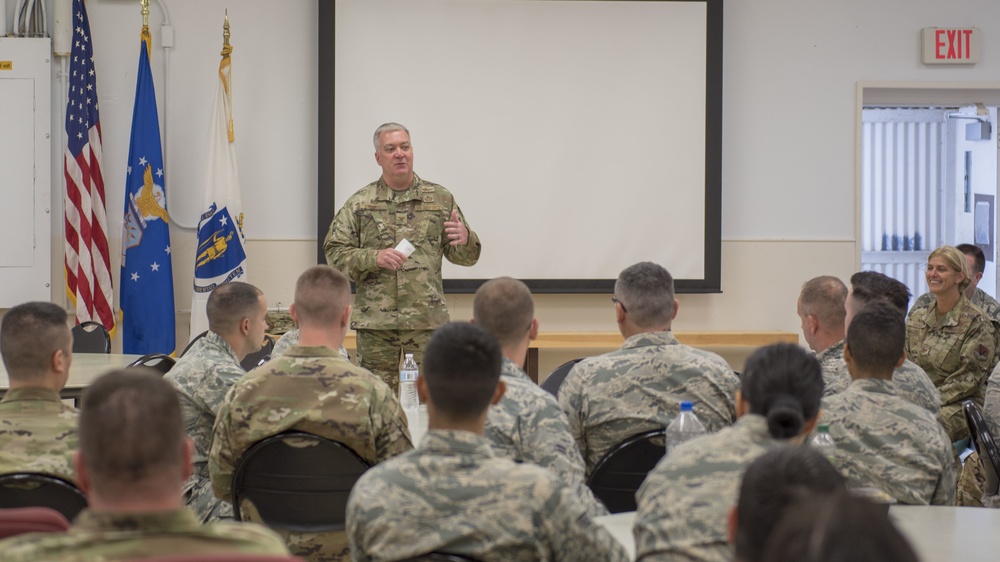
88	265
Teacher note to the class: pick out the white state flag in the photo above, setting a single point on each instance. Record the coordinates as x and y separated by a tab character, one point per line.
221	254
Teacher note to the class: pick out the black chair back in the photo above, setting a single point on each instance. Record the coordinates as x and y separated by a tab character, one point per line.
557	376
623	469
194	339
259	357
297	481
989	455
156	361
91	337
30	489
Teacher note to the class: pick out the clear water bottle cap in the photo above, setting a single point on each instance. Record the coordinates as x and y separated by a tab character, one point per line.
407	356
687	406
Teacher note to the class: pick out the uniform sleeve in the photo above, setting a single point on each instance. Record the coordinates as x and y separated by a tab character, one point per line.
991	407
392	433
549	443
571	401
222	458
977	359
356	521
946	489
467	254
342	245
575	536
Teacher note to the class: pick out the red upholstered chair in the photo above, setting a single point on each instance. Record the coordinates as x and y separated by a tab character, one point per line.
18	520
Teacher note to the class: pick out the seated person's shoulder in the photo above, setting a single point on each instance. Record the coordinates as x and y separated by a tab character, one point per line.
248	538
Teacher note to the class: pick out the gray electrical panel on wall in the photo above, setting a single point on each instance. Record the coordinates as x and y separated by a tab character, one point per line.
25	170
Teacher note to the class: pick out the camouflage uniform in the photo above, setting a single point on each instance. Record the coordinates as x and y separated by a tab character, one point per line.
973	479
411	298
528	425
129	536
453	495
958	351
986	303
830	360
684	503
37	433
912	384
640	387
291	338
309	389
202	377
885	442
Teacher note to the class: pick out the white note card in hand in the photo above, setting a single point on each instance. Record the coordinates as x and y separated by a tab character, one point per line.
405	247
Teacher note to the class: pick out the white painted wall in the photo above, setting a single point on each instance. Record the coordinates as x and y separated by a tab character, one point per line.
983	181
791	71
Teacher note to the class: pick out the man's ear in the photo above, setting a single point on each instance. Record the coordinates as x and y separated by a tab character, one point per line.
732	522
533	331
498	392
422	390
82	478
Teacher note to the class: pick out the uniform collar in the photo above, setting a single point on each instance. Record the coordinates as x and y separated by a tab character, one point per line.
455	442
31	393
160	521
385	193
650	338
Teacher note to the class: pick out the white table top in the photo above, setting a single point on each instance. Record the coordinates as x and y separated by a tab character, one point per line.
938	533
82	371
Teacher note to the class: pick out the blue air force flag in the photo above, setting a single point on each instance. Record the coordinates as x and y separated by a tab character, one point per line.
146	283
221	255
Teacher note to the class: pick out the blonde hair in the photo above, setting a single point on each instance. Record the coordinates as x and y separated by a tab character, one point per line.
955	260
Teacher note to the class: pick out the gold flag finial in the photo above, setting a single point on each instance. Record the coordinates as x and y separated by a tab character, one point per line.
145	13
147	39
226	48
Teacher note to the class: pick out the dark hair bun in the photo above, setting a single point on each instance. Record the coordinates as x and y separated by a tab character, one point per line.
784	417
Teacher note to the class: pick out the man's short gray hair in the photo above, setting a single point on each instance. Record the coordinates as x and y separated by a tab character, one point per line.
385	128
646	290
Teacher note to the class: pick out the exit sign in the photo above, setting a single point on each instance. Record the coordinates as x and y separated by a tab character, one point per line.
951	45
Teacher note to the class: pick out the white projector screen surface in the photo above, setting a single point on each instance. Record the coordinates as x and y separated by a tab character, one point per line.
572	133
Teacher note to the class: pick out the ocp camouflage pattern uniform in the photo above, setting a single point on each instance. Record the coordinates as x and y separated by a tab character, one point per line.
973	479
684	503
291	338
528	425
37	433
912	384
453	495
309	389
885	442
202	377
830	360
958	351
396	310
109	536
986	303
640	387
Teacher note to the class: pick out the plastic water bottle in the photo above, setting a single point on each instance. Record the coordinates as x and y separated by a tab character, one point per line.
823	441
408	398
684	427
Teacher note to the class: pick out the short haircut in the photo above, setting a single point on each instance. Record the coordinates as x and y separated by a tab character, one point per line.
387	128
976	253
776	480
837	528
783	383
505	308
462	364
321	294
229	304
876	339
955	261
870	286
131	429
646	290
823	297
29	334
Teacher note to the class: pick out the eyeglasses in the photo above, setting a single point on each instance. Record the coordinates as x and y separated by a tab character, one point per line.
619	303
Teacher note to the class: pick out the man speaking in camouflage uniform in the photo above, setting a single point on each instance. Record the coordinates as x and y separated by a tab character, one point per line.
883	441
133	460
205	373
640	387
310	388
37	431
400	298
976	259
452	494
527	424
821	311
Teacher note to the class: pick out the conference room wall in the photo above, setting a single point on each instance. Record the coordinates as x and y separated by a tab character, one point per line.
789	190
